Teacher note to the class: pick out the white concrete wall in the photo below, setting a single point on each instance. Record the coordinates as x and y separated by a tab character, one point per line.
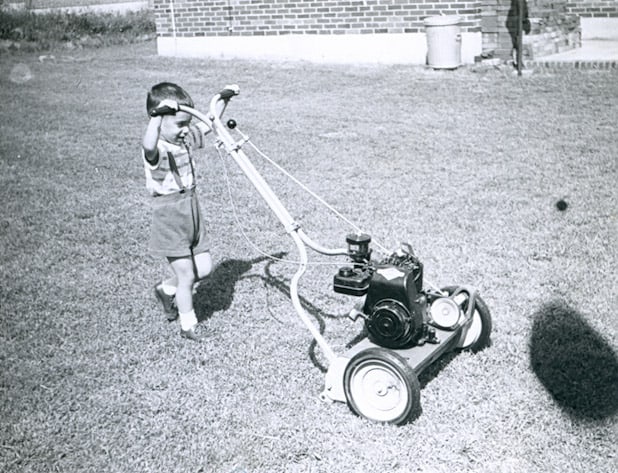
599	28
408	48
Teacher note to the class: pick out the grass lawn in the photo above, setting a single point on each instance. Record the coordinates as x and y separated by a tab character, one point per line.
466	165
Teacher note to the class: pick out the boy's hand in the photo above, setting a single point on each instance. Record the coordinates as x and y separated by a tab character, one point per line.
166	107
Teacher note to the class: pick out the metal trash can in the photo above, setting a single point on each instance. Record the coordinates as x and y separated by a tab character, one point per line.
443	41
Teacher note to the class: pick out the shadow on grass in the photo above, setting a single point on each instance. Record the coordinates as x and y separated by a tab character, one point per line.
318	314
216	292
435	368
574	363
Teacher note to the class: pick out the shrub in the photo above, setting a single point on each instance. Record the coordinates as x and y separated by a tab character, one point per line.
46	30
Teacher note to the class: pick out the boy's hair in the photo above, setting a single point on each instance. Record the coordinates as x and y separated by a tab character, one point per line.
167	90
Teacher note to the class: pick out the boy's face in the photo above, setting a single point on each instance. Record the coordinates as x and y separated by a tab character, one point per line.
174	128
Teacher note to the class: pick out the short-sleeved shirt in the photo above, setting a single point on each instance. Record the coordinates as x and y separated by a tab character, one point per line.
159	177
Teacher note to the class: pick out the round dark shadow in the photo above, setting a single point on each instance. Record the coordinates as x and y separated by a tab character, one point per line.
574	362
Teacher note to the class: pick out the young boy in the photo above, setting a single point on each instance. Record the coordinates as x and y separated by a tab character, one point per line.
178	231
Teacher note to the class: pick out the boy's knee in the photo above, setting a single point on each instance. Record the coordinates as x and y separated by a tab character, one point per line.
183	269
203	273
203	265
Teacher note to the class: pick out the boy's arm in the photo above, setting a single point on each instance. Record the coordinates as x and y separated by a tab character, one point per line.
151	137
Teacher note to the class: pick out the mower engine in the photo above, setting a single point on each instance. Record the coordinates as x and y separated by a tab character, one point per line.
396	309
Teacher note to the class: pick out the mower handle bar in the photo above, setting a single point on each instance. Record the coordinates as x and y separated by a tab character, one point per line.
292	227
225	95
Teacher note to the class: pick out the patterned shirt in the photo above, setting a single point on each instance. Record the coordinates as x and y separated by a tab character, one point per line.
160	179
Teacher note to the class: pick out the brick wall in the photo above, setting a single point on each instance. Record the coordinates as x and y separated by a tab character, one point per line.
555	23
553	28
594	8
283	17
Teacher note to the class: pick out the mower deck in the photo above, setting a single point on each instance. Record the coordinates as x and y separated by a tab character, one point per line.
418	357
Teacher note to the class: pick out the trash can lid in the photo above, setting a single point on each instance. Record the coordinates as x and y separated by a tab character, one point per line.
442	20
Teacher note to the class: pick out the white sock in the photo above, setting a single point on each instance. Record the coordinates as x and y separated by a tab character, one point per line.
168	288
188	320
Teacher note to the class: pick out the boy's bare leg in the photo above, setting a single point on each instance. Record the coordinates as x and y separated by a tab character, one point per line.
185	275
203	262
165	292
203	265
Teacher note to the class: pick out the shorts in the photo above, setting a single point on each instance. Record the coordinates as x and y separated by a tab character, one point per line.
177	229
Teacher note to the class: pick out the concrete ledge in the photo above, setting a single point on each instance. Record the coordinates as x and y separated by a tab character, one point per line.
582	65
405	48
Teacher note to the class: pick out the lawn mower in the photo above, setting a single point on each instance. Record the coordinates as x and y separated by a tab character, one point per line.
407	326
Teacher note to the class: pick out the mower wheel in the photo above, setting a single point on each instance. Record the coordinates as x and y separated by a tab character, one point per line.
380	386
477	336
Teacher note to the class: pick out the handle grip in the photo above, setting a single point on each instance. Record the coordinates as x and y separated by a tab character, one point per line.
229	91
165	110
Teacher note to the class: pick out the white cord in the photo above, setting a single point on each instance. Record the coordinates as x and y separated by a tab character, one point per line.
246	237
314	195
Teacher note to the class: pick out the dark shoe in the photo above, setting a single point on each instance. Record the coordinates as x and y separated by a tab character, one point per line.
191	334
168	303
